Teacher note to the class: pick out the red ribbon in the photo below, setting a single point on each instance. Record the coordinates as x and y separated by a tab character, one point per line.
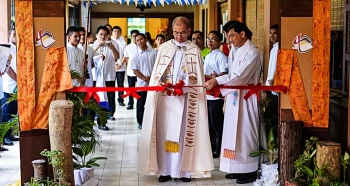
131	91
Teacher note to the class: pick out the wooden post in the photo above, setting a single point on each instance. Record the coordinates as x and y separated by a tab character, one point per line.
328	153
40	172
290	147
60	127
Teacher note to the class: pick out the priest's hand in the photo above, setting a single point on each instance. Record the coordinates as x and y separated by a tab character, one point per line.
210	84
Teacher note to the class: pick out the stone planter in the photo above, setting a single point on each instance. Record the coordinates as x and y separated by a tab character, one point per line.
83	175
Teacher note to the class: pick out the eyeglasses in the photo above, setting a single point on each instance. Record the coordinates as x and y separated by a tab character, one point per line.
197	39
212	39
179	33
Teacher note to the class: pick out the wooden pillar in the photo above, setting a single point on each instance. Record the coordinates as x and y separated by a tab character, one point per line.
290	147
233	7
60	129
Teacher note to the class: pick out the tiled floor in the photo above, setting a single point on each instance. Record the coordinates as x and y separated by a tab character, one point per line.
120	146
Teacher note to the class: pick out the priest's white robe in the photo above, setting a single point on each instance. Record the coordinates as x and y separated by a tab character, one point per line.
178	119
241	122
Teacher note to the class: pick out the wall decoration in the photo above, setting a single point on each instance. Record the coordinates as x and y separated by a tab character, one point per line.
44	39
302	43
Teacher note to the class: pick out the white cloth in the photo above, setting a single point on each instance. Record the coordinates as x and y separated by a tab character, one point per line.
109	62
144	63
122	44
75	61
272	64
241	122
215	61
90	52
100	82
3	61
162	111
8	84
130	52
231	57
148	44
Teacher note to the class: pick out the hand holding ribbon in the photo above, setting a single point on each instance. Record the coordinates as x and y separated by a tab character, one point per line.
174	90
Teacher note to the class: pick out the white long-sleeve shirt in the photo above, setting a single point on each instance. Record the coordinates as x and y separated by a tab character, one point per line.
272	64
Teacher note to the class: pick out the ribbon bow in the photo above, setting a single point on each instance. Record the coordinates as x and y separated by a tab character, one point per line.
176	89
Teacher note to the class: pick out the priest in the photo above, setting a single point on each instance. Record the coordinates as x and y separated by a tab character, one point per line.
241	120
175	139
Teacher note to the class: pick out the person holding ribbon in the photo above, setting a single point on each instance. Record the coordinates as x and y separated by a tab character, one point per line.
175	139
142	65
241	121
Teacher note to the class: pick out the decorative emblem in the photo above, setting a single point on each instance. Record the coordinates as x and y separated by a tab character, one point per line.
44	39
302	43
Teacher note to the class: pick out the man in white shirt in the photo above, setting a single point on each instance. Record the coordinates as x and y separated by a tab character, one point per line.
9	86
142	65
120	65
273	55
109	53
214	66
89	53
129	53
75	54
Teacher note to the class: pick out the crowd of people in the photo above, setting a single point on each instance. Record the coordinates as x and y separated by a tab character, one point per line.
176	140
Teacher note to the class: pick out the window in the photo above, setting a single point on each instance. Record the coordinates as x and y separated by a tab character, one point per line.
136	24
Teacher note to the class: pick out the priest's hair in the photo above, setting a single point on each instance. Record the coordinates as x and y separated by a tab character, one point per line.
241	27
181	20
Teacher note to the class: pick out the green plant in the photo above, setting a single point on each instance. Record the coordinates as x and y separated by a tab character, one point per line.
303	164
56	158
345	162
271	151
81	151
6	126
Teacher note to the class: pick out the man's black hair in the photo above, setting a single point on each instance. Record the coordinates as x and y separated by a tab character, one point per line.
117	27
134	31
228	24
217	33
141	34
82	29
240	27
102	28
72	29
275	26
160	35
199	32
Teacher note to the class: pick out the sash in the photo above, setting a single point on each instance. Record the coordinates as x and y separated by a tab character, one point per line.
238	66
100	80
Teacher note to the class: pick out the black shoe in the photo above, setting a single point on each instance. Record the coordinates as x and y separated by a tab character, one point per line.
216	155
7	141
105	128
12	138
185	179
129	107
140	126
247	178
111	118
3	149
121	104
164	178
233	176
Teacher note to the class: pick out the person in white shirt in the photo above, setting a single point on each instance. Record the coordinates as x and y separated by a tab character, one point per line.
89	53
214	66
273	55
75	54
120	65
149	42
129	53
160	39
9	86
142	65
109	54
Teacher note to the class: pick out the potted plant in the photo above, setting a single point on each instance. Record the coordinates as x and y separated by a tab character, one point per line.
83	167
269	170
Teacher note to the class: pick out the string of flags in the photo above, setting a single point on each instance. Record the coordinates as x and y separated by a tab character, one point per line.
148	2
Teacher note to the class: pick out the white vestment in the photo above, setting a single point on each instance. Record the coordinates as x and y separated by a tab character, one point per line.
178	119
241	123
75	60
